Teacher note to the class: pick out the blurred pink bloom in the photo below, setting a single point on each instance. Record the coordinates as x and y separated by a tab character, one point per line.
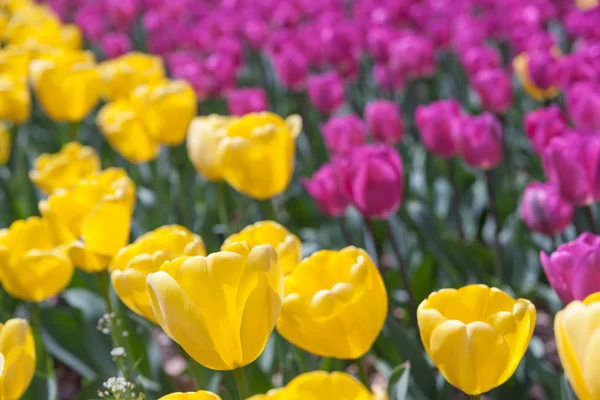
325	189
121	13
342	134
477	59
543	210
291	68
378	40
414	56
387	79
256	32
479	141
246	100
583	105
574	269
437	122
494	89
326	91
115	44
384	121
543	124
90	19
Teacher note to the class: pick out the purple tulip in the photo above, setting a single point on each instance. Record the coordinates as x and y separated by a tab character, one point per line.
372	177
387	79
246	100
540	68
437	122
479	141
414	56
121	13
494	88
477	59
583	105
256	33
291	67
90	18
574	269
115	44
572	162
384	121
325	189
542	124
543	210
343	134
326	91
579	67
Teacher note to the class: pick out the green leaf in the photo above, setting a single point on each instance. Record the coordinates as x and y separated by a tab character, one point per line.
398	382
566	393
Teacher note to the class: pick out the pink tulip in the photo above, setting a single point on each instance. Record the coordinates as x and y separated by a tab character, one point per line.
543	210
384	121
291	68
494	89
583	105
343	134
436	123
542	124
479	141
414	56
325	189
477	59
326	91
115	44
246	100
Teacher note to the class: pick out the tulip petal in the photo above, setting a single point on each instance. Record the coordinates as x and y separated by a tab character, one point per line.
18	348
429	319
591	365
106	229
1	364
490	355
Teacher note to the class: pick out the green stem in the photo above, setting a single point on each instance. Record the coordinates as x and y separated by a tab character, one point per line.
40	350
196	371
222	205
242	383
476	397
455	198
183	207
74	130
362	371
326	364
300	357
102	278
494	212
267	210
589	213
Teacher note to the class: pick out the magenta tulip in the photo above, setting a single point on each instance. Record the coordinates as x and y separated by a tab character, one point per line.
481	58
494	89
413	55
543	210
384	121
479	141
246	100
343	134
436	123
543	124
326	91
583	105
325	189
291	67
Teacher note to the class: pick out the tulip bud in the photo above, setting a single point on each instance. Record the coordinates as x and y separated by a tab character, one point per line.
572	269
543	210
34	266
494	89
123	74
342	134
5	144
535	70
437	123
413	55
18	350
256	157
570	162
291	68
246	100
479	141
15	100
220	309
543	124
93	217
134	262
287	245
326	190
326	92
577	332
583	105
384	121
200	395
114	44
256	33
475	335
203	138
66	83
62	170
480	58
387	78
346	290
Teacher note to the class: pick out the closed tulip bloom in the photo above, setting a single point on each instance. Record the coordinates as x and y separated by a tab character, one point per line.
203	138
222	308
15	100
18	350
66	83
123	74
543	124
335	304
320	385
5	144
93	216
257	155
373	178
291	67
166	109
326	92
583	105
52	171
134	262
342	134
476	335
115	44
34	266
14	60
577	332
535	73
384	121
543	210
287	245
479	141
494	89
570	162
480	58
200	395
326	190
413	55
437	123
573	269
246	100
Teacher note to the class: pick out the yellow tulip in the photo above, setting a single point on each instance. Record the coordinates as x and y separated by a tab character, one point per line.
287	245
134	262
257	155
577	332
124	130
15	100
201	395
33	264
586	5
5	144
71	37
520	65
63	169
222	308
36	25
18	350
14	60
203	138
123	74
475	335
320	385
335	304
167	108
93	216
66	83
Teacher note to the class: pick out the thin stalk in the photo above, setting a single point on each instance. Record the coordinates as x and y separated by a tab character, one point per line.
403	271
222	205
40	350
195	371
362	372
301	358
102	278
589	213
494	211
455	198
370	240
267	210
346	234
74	130
326	364
554	242
475	397
182	197
242	383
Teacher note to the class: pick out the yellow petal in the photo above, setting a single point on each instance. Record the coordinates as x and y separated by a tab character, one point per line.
201	395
